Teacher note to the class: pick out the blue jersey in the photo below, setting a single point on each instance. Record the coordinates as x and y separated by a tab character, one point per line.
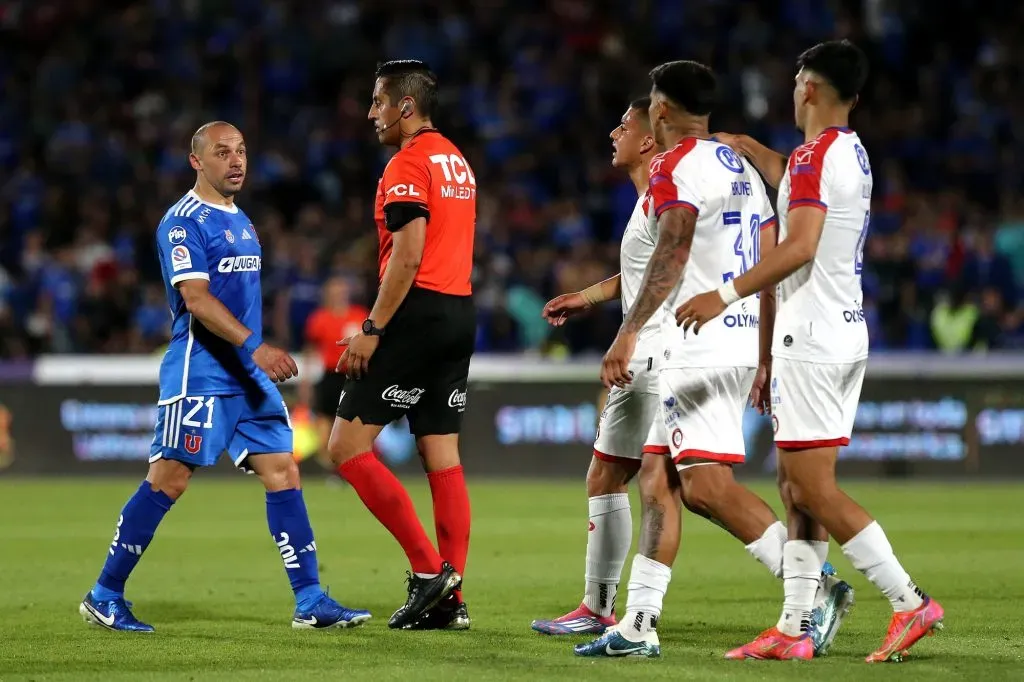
198	240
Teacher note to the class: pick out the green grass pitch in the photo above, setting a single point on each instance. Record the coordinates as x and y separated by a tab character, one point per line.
213	586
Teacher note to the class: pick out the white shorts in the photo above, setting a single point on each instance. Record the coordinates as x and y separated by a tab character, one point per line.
702	413
813	404
625	423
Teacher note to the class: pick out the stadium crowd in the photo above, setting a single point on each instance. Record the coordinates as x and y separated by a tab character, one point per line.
100	100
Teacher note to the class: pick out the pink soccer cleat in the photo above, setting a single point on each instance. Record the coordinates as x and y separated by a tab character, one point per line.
582	621
906	628
775	646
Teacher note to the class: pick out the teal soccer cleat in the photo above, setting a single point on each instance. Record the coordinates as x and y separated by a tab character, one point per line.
834	601
612	644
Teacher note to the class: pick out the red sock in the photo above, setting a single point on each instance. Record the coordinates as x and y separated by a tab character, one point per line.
451	516
384	496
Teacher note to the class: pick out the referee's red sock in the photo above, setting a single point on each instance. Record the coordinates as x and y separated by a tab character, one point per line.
384	496
451	516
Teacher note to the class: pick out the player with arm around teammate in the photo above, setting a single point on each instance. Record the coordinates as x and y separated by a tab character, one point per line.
628	411
708	203
217	390
820	350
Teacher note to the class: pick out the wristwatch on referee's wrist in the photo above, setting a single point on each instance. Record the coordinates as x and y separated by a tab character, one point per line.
370	329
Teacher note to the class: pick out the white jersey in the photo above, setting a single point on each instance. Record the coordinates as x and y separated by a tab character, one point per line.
820	314
732	207
635	253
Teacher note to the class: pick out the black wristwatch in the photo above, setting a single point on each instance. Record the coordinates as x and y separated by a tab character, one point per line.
370	329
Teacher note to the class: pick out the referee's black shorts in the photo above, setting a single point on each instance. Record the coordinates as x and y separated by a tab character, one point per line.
420	368
326	393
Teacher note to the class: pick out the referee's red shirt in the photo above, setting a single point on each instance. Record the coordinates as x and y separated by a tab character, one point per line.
430	170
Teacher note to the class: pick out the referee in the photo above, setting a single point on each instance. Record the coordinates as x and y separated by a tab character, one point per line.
336	318
412	356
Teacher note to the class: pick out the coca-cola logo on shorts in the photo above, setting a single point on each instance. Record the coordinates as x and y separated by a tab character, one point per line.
402	397
457	400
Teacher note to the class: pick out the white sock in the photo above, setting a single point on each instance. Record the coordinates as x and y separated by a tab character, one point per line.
824	583
821	549
768	548
648	583
611	534
870	553
801	572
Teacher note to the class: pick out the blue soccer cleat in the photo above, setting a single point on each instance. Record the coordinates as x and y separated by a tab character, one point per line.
113	614
612	644
327	613
833	602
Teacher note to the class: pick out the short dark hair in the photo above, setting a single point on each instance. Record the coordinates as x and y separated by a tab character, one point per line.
842	64
410	78
641	104
688	84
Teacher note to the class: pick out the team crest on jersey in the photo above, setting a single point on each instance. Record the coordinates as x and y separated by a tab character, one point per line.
193	442
229	236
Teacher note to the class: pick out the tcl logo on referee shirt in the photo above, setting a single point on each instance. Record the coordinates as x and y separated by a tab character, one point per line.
239	264
404	190
401	397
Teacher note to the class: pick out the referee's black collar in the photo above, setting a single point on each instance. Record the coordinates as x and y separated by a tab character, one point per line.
424	131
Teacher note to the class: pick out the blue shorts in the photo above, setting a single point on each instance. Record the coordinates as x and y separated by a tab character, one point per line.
195	430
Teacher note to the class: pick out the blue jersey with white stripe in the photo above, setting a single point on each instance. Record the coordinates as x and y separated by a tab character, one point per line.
199	240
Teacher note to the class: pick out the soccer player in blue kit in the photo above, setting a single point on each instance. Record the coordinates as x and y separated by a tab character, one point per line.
217	390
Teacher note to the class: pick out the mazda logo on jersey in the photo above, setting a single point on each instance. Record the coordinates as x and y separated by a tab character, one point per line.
239	264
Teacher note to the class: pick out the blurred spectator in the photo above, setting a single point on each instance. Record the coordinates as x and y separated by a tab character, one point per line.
100	99
953	321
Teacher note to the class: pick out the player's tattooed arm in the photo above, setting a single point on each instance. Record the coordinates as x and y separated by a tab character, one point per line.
675	237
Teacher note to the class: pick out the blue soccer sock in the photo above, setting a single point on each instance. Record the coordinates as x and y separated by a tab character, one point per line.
289	526
135	528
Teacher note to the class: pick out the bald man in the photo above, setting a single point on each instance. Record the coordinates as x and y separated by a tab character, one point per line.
217	390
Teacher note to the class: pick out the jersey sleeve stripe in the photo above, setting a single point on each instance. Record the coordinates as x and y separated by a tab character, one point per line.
189	275
676	204
769	223
797	203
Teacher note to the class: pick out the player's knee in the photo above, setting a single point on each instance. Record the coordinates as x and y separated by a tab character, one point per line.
658	476
279	473
704	487
608	478
803	496
341	448
169	477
